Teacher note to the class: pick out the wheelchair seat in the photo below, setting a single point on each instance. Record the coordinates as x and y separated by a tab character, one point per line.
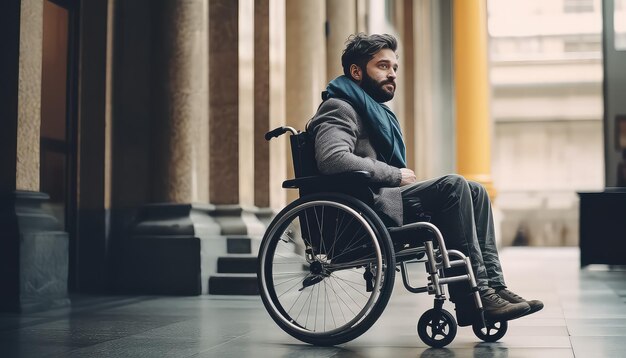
327	261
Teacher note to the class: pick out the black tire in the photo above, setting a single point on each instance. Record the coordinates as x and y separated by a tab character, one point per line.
492	332
437	327
329	271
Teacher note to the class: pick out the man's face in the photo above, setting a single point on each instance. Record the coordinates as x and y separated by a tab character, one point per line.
379	78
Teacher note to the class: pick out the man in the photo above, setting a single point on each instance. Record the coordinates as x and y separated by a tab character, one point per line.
354	130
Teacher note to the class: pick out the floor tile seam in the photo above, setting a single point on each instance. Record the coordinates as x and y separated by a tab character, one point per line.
247	334
567	326
106	304
79	309
136	333
33	326
90	346
572	346
144	333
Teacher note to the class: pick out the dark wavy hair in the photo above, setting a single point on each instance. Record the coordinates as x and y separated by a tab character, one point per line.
361	48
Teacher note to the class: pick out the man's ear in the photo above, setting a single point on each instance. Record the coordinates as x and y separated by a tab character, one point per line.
356	73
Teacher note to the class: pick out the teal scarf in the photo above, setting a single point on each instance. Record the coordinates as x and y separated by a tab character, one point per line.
385	133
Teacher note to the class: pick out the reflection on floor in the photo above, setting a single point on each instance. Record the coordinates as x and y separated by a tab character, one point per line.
585	316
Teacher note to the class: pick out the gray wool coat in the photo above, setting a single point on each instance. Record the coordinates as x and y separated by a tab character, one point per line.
342	144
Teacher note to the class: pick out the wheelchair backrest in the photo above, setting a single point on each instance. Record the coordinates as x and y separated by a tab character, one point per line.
304	164
303	155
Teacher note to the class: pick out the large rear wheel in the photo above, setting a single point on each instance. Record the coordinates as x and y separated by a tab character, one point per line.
326	269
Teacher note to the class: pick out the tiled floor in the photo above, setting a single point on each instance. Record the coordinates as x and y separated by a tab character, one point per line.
585	316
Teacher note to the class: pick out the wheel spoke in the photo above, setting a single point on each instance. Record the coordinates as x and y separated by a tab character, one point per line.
290	288
349	284
348	250
349	296
294	302
330	306
304	305
289	280
317	305
308	311
352	243
336	238
308	227
339	299
320	227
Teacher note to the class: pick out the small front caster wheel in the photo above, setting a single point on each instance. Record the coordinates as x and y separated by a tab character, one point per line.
436	327
492	332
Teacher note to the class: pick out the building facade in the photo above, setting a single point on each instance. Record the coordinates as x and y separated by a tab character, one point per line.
547	106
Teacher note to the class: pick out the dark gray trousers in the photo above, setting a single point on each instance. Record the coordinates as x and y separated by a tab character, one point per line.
462	211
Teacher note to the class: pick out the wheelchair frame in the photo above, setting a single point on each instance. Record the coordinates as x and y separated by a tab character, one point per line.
293	249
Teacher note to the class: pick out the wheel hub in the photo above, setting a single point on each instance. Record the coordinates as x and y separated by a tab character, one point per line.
316	268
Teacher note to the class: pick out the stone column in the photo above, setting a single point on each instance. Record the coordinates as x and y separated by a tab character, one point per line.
180	107
473	119
269	105
223	102
306	65
33	247
173	242
361	15
404	101
231	117
341	17
232	141
433	88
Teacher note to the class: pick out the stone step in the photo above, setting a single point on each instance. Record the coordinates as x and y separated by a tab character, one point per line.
242	244
233	284
237	263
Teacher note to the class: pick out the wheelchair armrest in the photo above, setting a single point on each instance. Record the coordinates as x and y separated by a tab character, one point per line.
349	178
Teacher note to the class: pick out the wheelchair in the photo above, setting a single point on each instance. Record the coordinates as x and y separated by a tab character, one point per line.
327	261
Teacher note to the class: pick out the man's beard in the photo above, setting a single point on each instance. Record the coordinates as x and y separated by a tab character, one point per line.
375	89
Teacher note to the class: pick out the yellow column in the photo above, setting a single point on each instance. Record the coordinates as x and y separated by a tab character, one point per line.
473	131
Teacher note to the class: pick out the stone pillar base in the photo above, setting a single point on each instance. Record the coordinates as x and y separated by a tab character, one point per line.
174	248
171	250
236	220
34	255
266	215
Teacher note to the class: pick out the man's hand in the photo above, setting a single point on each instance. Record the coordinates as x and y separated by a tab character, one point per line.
408	176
